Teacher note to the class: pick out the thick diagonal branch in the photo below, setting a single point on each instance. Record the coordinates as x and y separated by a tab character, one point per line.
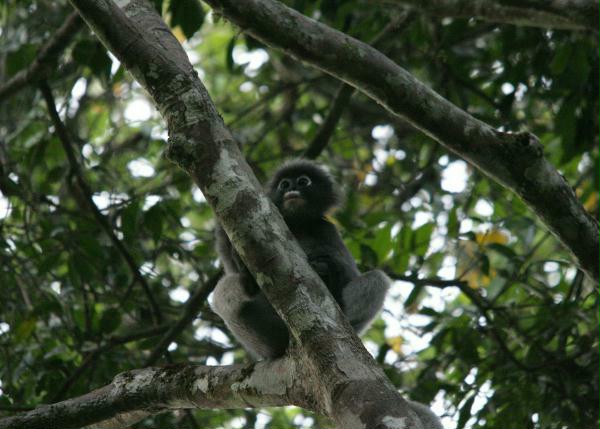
514	160
136	394
559	14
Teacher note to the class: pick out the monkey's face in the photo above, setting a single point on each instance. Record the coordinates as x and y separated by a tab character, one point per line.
302	191
293	194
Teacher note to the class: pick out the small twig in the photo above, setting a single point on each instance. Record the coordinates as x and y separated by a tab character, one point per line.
42	65
87	193
93	355
270	95
342	98
435	282
479	301
323	135
190	312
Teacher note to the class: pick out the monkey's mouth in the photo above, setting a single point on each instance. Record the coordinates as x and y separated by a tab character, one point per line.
292	195
292	200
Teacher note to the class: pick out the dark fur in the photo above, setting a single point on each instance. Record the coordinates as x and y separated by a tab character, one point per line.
242	305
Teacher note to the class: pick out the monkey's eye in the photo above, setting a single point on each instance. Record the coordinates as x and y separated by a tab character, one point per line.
303	181
285	184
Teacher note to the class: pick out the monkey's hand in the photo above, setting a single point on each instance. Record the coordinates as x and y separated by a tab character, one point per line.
321	266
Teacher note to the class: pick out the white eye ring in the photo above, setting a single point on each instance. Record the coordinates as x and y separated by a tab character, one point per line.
303	181
285	184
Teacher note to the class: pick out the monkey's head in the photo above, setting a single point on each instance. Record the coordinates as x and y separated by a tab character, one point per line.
303	191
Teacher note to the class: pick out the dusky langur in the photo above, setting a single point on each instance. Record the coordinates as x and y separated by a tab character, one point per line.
303	192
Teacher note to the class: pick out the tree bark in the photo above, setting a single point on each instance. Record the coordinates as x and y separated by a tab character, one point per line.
516	161
136	394
558	14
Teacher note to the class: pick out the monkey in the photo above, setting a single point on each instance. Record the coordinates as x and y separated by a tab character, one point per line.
304	193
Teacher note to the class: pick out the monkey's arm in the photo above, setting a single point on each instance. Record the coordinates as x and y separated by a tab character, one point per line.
232	263
243	308
360	296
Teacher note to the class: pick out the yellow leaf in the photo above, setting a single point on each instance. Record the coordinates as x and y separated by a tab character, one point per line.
592	202
178	33
494	235
117	89
476	279
361	174
472	279
395	344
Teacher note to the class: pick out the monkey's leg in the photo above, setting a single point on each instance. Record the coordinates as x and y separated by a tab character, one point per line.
363	298
250	317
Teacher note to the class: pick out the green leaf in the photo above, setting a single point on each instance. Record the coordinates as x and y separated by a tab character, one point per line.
229	54
453	224
25	328
414	295
565	122
561	58
402	249
130	220
187	14
93	55
9	188
404	238
579	66
503	250
421	239
485	264
110	320
400	261
73	273
382	242
153	221
91	247
18	60
368	256
465	412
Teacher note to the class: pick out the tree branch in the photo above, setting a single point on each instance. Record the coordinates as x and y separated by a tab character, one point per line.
190	312
514	160
343	96
87	193
106	345
136	394
326	130
43	64
559	14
